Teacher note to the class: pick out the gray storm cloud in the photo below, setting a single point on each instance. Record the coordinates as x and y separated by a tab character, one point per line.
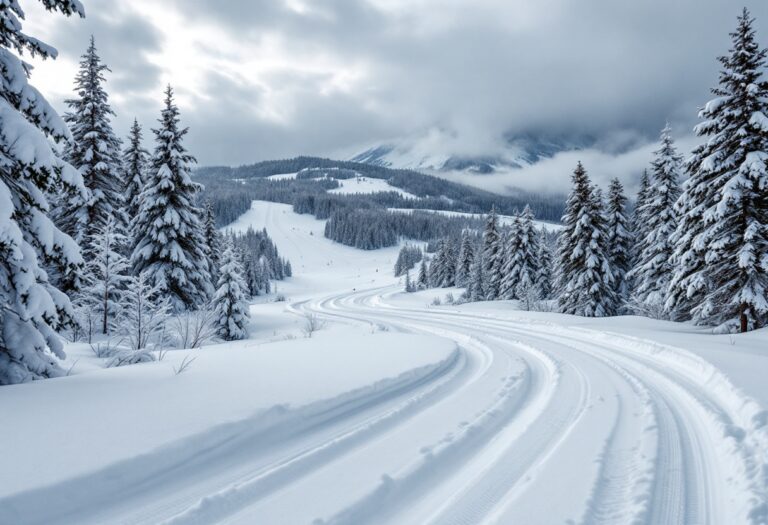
611	71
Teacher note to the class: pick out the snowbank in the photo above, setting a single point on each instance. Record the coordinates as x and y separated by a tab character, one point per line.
68	427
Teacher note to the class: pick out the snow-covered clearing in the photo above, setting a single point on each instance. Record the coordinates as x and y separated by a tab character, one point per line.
399	412
282	176
505	220
368	185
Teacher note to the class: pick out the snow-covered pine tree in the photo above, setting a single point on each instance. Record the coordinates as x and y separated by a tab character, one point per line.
544	269
639	226
409	286
422	281
95	152
446	270
135	160
465	257
587	278
32	308
510	240
523	248
493	257
229	304
476	289
619	237
212	242
723	268
105	275
168	235
652	272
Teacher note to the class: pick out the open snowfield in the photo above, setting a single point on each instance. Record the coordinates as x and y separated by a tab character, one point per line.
504	220
399	412
368	185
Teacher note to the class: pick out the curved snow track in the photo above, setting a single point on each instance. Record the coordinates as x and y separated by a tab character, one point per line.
526	423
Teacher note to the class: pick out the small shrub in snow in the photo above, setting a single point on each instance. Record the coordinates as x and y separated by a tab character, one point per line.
131	357
105	348
436	301
193	329
280	298
312	323
184	365
449	298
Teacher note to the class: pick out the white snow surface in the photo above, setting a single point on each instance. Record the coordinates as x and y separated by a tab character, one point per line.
368	185
399	412
505	220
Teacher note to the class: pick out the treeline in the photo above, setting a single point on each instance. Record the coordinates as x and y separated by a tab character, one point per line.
370	229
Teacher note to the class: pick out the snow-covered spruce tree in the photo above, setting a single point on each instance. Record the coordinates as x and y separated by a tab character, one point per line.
585	271
409	286
444	265
95	152
135	161
619	237
544	269
212	242
168	235
465	257
493	257
422	281
522	256
729	188
510	240
652	272
476	288
105	275
229	303
31	308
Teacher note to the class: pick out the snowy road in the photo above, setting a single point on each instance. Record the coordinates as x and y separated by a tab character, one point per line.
549	421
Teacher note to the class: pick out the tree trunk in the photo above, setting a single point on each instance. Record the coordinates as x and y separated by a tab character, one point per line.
743	317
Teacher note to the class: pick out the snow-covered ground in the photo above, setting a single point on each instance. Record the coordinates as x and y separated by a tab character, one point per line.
399	412
503	219
369	185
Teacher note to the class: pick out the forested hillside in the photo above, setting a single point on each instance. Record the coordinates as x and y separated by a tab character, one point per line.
231	190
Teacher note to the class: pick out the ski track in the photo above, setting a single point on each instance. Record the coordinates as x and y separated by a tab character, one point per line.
649	435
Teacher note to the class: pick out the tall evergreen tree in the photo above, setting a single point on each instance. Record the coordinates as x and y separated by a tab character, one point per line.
168	236
585	272
135	160
639	225
476	290
653	268
544	269
465	258
212	242
493	257
229	304
619	237
422	281
723	266
95	152
31	308
521	265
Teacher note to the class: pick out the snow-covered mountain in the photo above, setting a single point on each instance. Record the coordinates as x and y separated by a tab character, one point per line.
431	153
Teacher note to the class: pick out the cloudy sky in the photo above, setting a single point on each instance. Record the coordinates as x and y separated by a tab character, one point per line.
264	79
